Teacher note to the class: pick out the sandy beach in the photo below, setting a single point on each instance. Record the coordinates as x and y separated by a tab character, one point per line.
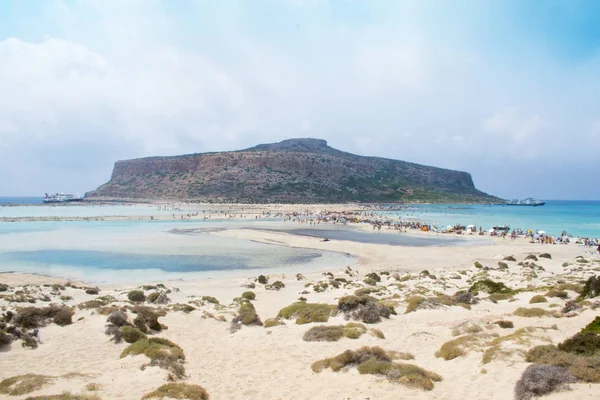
252	361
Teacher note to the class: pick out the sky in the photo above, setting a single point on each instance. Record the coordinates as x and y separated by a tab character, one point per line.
507	90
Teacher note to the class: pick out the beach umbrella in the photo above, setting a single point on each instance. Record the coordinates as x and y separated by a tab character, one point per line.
542	232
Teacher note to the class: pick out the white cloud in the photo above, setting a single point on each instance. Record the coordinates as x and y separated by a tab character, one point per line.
123	79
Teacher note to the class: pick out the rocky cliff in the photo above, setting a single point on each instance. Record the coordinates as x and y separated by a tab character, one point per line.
295	170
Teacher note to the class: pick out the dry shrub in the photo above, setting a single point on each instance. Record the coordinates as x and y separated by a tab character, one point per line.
306	312
458	347
530	312
277	285
510	258
117	318
271	322
538	299
65	396
531	257
184	308
376	361
23	384
545	255
466	328
538	380
505	324
137	296
169	362
364	308
591	288
377	333
146	319
33	317
561	294
178	391
585	368
324	334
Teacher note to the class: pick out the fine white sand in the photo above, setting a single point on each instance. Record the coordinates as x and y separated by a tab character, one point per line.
275	363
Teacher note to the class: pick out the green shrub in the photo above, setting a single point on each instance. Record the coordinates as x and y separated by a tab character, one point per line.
377	333
249	295
178	391
510	258
530	312
413	303
277	285
324	334
271	322
586	343
146	319
585	368
502	265
152	297
489	286
561	294
263	280
210	299
374	276
162	353
4	287
131	334
477	264
545	255
137	296
185	308
376	361
538	299
65	396
248	314
531	257
306	312
593	327
505	324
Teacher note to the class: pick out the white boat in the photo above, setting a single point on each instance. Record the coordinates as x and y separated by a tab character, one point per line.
62	198
530	201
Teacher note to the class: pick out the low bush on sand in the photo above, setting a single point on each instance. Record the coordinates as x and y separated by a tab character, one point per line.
377	333
459	347
460	298
305	313
505	324
466	328
579	354
23	384
510	258
98	302
162	353
271	322
4	287
376	361
531	257
210	299
178	391
131	334
489	286
263	280
65	396
538	380
5	338
277	285
249	295
364	308
593	327
530	312
591	288
477	264
561	294
184	308
33	317
137	296
146	319
324	333
92	290
538	299
545	255
502	265
246	316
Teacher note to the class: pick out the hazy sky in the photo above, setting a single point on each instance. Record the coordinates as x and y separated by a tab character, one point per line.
506	90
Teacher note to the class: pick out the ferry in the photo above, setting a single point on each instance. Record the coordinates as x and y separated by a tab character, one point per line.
530	201
62	198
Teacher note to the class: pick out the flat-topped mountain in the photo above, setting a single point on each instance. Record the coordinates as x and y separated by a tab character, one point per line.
294	170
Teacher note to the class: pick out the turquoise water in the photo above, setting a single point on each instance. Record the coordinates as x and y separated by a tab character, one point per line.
142	251
579	218
21	200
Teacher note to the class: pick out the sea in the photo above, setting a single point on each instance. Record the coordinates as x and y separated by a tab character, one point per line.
137	251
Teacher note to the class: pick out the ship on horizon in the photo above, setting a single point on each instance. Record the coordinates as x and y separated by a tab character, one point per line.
530	201
62	198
